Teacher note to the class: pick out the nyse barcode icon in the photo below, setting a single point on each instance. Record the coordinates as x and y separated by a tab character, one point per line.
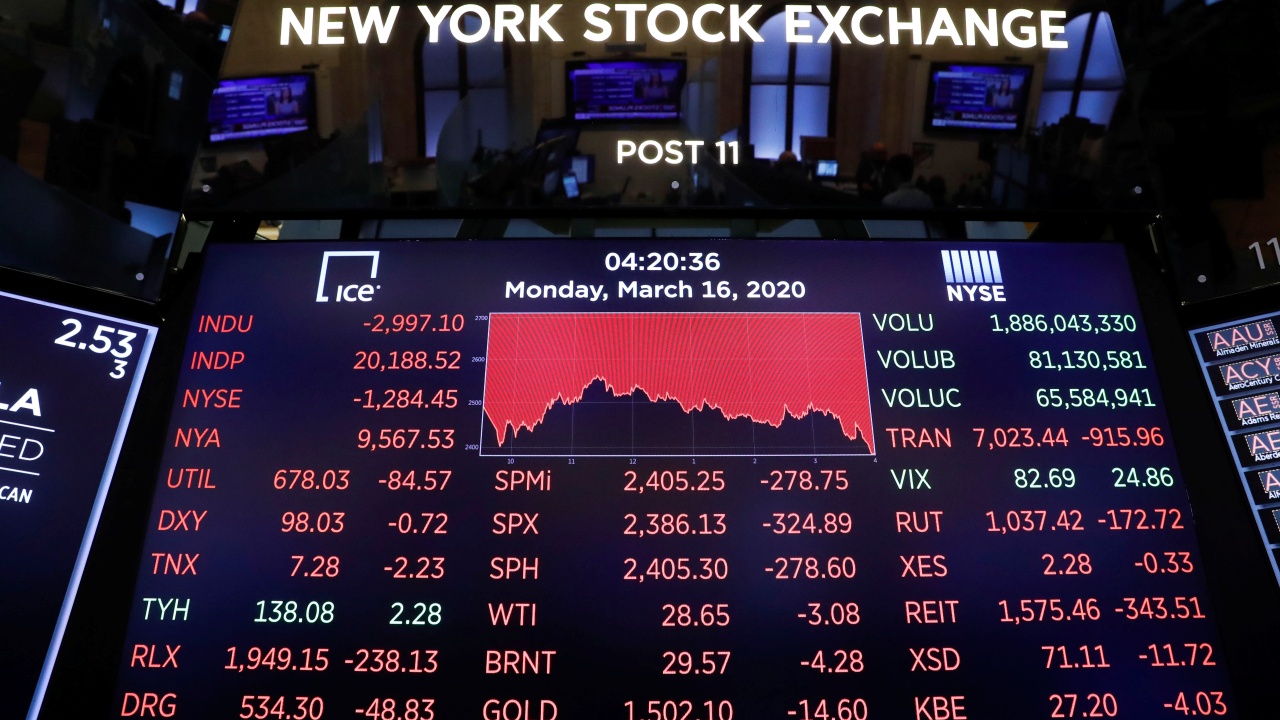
973	275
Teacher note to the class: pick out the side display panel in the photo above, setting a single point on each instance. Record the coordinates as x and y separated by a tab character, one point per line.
1241	362
670	481
68	380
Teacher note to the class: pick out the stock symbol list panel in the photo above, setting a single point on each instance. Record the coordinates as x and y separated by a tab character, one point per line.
68	381
1241	368
680	480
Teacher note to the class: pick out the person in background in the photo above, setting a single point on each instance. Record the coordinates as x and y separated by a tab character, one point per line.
871	170
288	105
656	89
937	189
1002	98
790	167
899	172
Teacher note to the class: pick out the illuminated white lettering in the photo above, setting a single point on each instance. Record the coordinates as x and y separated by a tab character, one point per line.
592	16
289	21
507	19
795	23
858	16
740	24
30	400
373	21
833	24
698	29
973	25
434	21
943	25
328	26
682	23
1028	37
1048	30
630	10
456	27
896	26
540	22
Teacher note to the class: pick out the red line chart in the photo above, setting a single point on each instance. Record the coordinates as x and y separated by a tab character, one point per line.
771	369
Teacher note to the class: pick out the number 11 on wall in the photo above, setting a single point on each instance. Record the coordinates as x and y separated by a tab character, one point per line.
1257	249
732	150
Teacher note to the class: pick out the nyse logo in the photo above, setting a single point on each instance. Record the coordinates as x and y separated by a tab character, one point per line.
347	291
973	276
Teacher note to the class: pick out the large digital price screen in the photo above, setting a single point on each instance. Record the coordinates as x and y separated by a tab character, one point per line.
670	480
68	381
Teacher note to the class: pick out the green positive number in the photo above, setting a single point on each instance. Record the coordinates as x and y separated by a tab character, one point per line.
290	611
1151	477
1052	479
1114	398
1086	360
418	613
1080	323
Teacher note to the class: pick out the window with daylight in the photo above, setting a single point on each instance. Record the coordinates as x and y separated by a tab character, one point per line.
789	93
1084	79
449	71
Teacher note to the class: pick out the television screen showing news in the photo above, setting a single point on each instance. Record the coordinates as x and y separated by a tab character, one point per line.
978	97
625	89
253	108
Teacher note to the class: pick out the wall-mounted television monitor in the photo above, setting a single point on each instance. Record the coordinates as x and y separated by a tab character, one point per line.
977	98
252	108
624	90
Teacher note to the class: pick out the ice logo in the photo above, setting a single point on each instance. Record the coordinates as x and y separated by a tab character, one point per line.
349	292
